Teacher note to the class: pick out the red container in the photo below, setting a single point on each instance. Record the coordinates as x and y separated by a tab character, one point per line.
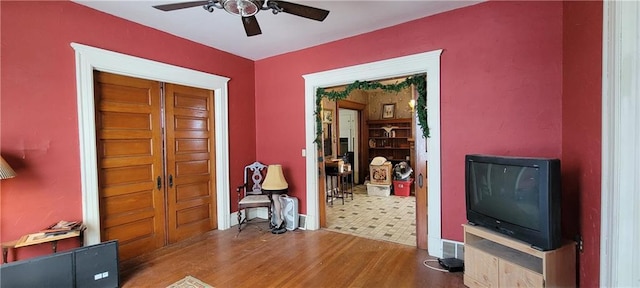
402	187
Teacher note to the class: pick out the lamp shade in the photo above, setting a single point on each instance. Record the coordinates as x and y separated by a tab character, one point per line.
275	179
5	170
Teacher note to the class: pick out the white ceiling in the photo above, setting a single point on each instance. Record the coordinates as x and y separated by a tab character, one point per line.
281	33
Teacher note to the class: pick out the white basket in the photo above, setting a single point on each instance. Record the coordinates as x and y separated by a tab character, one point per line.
378	190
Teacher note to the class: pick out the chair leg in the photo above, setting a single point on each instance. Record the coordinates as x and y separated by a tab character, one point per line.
239	220
269	217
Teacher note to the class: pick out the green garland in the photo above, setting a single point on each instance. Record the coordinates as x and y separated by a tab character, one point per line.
419	81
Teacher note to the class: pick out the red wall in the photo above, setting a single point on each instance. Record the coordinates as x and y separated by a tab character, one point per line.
518	78
501	88
504	91
581	131
39	134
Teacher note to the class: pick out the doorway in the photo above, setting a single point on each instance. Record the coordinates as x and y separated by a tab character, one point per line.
89	59
154	162
367	214
349	140
428	63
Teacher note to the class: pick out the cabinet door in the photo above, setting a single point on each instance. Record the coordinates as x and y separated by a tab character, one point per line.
480	267
512	275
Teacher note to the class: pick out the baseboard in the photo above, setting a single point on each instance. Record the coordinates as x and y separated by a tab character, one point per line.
253	213
257	213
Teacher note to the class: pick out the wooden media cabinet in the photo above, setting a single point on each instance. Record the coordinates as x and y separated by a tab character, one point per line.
496	260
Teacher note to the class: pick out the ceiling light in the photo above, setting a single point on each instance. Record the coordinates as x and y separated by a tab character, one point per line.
244	8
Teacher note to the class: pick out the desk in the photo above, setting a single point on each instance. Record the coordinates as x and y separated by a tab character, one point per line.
39	238
342	186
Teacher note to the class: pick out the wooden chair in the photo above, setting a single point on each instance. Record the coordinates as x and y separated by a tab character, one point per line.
250	193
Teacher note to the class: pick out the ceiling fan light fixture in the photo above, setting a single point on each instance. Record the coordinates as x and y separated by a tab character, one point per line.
244	8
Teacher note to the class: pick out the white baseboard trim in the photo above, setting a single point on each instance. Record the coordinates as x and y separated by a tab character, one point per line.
261	213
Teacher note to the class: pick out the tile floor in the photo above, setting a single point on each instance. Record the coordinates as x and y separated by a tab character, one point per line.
389	218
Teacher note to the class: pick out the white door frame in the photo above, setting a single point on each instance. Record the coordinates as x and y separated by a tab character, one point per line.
89	59
427	62
619	230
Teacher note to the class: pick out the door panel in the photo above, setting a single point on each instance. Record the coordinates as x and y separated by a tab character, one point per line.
128	128
420	183
190	161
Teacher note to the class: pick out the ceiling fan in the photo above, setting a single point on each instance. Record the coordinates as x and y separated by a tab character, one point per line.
247	9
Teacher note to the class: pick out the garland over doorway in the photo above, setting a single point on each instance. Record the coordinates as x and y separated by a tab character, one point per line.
418	80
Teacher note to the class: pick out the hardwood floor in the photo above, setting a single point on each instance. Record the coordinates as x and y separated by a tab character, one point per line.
257	258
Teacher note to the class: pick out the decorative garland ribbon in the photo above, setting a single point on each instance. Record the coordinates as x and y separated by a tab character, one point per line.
418	80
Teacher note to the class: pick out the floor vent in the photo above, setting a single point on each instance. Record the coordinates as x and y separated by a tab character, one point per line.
451	249
302	222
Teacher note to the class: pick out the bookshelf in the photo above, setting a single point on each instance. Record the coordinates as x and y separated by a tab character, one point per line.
391	139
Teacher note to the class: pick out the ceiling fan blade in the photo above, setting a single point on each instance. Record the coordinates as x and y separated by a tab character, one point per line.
251	26
302	10
176	6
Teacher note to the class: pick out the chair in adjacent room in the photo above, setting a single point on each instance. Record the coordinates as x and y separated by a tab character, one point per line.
251	194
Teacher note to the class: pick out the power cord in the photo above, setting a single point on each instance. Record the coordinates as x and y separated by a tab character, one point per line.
431	267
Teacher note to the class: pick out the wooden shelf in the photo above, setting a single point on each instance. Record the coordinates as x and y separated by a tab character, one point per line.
393	143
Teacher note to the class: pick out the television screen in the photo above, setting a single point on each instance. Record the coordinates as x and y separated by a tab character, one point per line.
495	186
516	196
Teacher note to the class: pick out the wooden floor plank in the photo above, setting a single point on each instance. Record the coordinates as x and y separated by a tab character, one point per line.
257	258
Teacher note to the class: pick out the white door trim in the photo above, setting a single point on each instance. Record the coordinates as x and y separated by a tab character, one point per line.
620	192
89	59
429	63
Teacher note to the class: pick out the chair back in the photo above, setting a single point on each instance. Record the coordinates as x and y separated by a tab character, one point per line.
254	175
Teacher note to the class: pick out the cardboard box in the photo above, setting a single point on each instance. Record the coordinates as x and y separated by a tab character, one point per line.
380	171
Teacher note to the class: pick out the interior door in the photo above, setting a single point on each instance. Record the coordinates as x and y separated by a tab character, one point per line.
156	162
420	183
190	161
130	168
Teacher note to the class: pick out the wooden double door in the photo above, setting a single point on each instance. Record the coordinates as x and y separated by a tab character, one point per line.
156	162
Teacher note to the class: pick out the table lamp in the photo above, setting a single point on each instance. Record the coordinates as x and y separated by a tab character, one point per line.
5	173
274	183
5	170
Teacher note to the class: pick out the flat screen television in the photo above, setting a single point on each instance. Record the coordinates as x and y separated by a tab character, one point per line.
516	196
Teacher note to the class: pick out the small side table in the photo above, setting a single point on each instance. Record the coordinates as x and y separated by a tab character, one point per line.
343	186
39	238
5	249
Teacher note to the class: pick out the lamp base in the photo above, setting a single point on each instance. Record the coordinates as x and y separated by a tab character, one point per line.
280	229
